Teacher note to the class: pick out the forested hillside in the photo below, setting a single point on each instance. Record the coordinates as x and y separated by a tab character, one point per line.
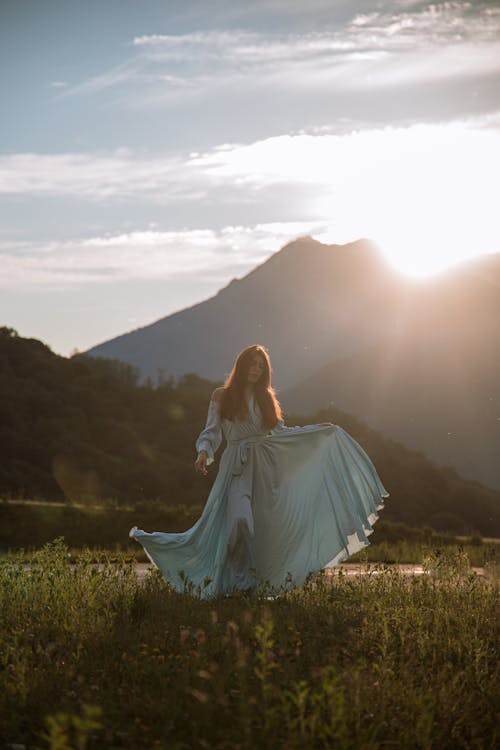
83	430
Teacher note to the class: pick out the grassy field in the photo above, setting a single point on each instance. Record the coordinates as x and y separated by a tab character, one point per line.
96	659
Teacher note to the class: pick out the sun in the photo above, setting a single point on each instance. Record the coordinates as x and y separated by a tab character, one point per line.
440	199
426	195
422	254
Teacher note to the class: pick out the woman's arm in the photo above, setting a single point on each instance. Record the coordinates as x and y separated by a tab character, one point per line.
209	438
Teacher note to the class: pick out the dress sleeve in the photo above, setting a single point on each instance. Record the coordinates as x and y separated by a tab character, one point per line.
211	437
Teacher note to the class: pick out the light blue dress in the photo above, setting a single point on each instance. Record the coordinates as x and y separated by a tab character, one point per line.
285	504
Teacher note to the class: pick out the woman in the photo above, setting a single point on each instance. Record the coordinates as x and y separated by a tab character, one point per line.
286	502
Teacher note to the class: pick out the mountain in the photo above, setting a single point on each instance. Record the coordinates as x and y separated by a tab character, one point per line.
419	360
305	302
434	385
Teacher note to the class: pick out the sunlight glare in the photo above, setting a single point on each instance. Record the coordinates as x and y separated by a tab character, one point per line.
425	194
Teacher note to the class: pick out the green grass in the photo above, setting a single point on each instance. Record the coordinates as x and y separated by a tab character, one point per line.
96	659
400	552
407	551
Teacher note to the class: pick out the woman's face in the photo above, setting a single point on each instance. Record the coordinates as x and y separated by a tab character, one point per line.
257	367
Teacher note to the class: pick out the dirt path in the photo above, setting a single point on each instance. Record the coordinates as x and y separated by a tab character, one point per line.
350	569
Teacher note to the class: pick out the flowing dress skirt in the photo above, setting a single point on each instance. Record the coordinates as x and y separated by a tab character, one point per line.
283	506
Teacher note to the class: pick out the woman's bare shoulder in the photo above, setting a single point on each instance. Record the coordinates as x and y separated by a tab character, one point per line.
217	394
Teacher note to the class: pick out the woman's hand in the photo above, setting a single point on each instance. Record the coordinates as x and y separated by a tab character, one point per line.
200	464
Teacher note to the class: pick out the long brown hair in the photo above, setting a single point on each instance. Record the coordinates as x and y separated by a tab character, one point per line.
233	403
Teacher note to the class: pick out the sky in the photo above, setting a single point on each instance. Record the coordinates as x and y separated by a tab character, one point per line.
152	151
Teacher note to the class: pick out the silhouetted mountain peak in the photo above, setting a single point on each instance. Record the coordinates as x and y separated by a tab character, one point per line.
360	248
308	266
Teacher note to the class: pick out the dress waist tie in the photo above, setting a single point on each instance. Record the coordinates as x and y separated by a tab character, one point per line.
242	445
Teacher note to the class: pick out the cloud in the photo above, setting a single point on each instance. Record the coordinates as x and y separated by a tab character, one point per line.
397	44
426	188
318	158
148	255
124	73
95	177
432	24
239	46
436	24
